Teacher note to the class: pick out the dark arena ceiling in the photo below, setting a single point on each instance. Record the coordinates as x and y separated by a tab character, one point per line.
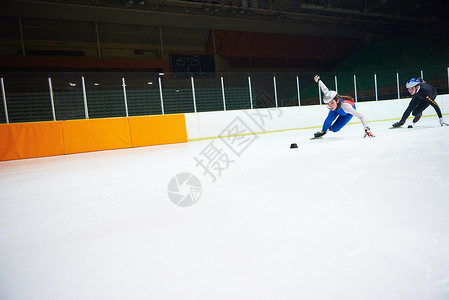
310	31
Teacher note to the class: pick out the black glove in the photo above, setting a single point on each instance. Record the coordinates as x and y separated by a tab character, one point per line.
398	124
319	134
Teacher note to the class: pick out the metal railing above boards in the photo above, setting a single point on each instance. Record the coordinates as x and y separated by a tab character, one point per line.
55	96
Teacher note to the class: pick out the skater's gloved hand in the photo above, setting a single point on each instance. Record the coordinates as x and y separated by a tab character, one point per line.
398	124
442	122
316	78
319	134
368	132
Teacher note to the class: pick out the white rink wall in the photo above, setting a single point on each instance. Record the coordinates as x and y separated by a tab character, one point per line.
214	124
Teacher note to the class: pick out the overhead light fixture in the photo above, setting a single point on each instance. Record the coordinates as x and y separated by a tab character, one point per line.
72	84
96	84
161	74
149	82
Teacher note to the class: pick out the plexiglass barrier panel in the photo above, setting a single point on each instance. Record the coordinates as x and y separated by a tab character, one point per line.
437	77
386	85
236	89
365	86
68	96
286	87
177	95
105	95
143	95
263	90
309	90
3	118
2	114
345	84
208	93
27	97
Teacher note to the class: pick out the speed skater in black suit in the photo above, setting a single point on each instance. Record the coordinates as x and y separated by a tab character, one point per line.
423	95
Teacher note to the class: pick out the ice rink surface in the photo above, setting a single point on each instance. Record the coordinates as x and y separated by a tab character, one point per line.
341	217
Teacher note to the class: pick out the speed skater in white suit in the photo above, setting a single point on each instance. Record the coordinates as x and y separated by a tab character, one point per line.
341	110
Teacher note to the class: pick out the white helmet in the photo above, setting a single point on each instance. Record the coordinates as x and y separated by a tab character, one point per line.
329	96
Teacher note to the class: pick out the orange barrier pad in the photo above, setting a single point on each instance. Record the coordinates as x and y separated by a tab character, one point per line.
157	130
27	140
95	134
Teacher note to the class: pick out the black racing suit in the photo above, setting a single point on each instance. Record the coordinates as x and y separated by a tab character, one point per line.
421	100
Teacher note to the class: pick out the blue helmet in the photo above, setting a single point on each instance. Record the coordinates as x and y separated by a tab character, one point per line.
412	82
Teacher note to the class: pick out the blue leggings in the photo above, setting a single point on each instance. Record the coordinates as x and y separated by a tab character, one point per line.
340	122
